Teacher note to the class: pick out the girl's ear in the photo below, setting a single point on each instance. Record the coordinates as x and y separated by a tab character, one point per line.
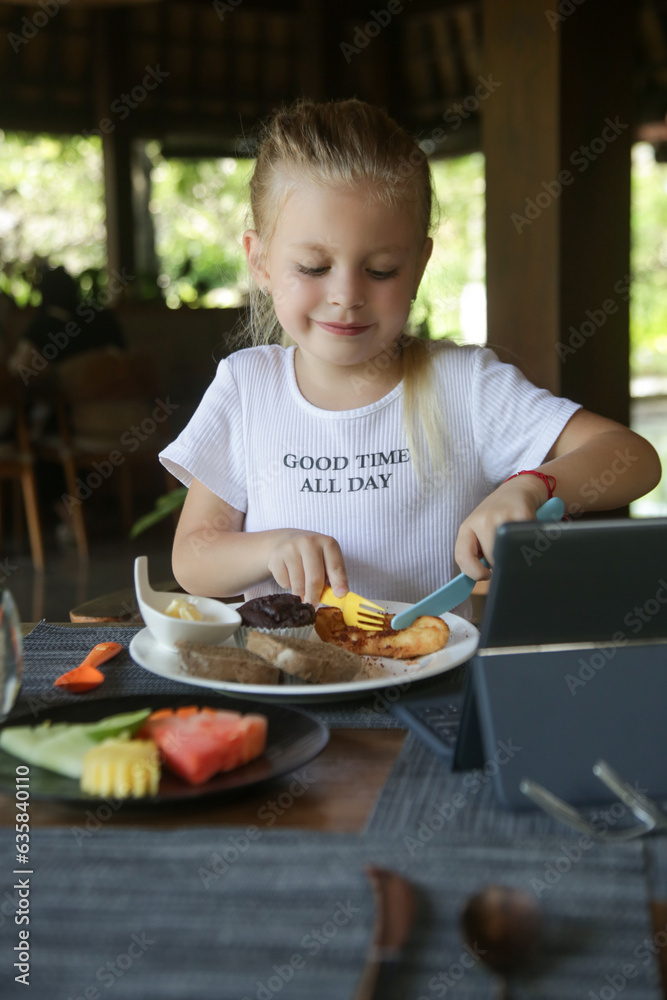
423	260
255	257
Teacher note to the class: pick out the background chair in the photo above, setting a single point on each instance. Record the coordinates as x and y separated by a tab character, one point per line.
111	424
17	465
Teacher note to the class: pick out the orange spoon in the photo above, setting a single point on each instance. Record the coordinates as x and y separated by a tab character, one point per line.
85	677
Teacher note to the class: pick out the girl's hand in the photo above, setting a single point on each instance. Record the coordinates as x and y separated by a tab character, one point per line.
516	500
303	561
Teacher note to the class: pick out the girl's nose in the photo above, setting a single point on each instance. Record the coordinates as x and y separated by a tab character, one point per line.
346	290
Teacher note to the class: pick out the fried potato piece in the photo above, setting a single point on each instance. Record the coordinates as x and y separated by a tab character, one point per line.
426	635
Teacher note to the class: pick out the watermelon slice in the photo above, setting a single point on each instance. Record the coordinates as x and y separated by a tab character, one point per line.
198	744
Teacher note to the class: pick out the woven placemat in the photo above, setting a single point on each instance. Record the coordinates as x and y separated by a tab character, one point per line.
655	856
423	800
50	650
222	914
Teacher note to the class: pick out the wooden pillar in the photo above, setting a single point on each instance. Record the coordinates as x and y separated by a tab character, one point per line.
557	136
116	142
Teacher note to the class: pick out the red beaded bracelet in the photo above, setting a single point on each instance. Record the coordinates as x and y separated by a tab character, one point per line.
549	481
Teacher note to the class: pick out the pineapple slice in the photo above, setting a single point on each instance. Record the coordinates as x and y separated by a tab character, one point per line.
122	767
186	610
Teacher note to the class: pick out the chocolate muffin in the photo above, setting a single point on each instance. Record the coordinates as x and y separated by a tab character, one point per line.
277	611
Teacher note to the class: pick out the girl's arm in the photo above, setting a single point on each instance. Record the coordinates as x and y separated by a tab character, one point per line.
212	555
598	465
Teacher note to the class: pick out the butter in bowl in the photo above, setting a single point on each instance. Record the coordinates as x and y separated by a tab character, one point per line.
173	617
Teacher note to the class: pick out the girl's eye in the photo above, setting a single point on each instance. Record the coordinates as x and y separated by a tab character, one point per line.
314	271
383	275
318	271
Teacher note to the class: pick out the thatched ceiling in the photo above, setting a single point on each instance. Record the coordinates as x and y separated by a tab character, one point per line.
198	74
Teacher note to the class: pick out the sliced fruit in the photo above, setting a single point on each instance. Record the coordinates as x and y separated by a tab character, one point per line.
199	744
61	746
121	767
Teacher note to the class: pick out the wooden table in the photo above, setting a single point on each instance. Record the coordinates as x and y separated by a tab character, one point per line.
342	785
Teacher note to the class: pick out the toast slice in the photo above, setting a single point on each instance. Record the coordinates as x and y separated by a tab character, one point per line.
225	663
315	662
426	635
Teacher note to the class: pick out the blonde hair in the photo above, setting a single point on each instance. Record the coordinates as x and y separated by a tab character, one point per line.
354	145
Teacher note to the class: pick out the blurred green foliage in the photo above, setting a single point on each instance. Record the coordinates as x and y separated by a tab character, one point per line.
52	208
648	304
200	211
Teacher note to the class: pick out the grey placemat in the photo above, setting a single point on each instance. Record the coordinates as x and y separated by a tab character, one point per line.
212	913
655	856
422	800
50	650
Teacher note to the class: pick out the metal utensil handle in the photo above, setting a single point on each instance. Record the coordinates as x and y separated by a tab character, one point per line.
643	808
566	813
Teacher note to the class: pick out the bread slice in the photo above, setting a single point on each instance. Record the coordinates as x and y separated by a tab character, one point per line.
426	635
315	662
225	663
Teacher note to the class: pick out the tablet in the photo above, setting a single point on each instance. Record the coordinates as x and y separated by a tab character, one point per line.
577	581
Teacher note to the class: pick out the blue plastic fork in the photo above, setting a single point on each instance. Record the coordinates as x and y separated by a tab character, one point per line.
460	588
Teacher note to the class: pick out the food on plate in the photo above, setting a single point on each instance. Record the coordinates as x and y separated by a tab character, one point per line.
426	635
121	755
225	663
277	611
184	609
61	746
122	767
196	744
312	661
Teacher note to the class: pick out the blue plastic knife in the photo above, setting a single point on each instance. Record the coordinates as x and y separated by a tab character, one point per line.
460	588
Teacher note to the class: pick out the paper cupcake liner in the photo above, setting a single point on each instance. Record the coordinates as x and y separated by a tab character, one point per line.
304	632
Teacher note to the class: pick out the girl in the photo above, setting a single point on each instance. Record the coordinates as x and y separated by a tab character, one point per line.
356	453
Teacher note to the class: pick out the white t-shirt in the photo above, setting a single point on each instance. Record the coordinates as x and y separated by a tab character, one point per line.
260	446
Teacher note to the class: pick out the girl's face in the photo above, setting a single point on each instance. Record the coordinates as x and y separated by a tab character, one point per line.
342	270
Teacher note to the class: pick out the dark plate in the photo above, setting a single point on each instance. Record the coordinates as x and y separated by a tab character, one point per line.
294	738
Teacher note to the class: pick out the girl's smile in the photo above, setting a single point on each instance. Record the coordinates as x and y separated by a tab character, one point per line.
344	329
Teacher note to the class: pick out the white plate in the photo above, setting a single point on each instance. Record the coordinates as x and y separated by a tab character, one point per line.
462	643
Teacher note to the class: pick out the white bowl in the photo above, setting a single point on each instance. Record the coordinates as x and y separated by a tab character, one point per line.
221	620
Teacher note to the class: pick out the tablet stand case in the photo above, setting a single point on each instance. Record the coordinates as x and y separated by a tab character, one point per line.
550	712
